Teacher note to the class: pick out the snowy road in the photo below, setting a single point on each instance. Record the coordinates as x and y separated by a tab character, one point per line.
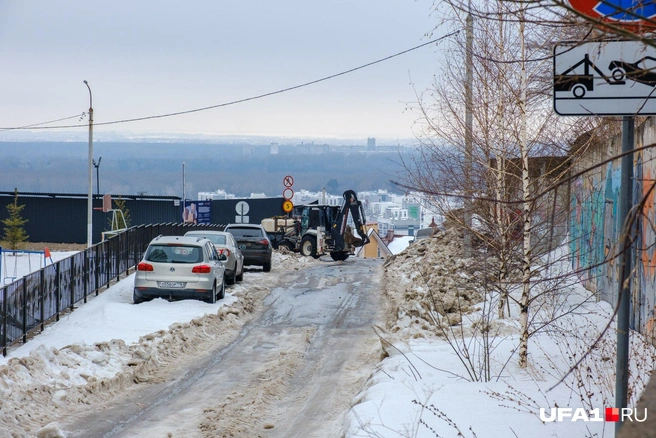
292	371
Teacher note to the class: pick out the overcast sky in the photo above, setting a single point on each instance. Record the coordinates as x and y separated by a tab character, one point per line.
151	57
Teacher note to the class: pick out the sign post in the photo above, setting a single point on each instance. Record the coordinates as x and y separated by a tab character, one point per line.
288	194
615	78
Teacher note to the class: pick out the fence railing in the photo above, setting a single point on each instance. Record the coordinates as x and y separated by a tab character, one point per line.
30	302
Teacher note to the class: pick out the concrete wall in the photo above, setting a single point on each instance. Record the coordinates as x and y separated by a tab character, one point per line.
595	227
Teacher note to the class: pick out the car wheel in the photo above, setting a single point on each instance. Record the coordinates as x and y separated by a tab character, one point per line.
309	246
212	298
232	279
222	290
135	298
240	277
267	267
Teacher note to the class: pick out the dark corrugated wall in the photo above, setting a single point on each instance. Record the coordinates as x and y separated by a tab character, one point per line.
62	218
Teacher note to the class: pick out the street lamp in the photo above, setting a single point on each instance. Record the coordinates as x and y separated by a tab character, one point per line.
97	166
90	192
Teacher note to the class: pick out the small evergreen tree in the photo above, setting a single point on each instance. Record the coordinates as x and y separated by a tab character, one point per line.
14	231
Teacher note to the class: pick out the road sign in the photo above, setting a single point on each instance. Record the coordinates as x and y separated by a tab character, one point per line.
288	193
242	209
631	14
287	206
613	78
288	181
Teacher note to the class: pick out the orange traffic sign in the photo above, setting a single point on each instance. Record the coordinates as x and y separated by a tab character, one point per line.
287	206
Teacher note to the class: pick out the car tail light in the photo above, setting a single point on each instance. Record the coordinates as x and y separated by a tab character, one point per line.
202	269
143	266
263	242
225	251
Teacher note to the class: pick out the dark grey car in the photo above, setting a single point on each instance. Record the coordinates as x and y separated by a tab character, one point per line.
254	244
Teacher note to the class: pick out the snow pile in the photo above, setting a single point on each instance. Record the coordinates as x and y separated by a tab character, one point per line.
445	375
428	281
39	383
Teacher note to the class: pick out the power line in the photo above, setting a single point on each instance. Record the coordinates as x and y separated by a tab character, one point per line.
45	123
247	99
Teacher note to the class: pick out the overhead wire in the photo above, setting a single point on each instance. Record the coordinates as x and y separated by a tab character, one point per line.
45	123
234	102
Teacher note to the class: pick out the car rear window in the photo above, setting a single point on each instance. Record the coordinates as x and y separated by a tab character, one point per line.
245	232
214	238
174	254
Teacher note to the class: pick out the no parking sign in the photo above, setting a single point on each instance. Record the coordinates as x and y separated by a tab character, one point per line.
288	193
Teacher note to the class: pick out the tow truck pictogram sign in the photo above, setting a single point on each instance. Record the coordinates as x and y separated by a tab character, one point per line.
607	78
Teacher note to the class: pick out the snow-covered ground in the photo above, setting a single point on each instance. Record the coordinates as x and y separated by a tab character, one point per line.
435	381
445	375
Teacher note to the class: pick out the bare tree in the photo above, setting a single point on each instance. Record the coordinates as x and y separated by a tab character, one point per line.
518	144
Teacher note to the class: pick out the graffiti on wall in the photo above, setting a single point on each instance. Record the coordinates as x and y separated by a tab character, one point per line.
595	234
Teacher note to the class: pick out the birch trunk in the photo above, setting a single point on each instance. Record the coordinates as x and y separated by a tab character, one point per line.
500	215
526	262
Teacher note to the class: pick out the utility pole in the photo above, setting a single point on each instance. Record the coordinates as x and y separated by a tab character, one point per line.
90	166
469	82
184	196
625	260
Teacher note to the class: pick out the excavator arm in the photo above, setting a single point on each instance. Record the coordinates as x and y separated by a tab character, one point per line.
340	231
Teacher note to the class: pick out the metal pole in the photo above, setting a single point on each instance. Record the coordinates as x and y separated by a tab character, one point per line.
90	193
184	197
624	295
469	82
97	166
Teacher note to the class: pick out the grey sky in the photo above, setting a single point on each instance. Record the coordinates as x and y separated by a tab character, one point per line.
147	57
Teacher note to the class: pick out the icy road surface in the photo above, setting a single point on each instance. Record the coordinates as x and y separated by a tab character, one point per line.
293	370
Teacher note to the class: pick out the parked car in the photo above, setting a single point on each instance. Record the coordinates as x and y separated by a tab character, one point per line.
225	244
254	243
175	267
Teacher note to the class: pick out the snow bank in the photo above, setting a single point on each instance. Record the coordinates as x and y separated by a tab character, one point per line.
451	366
428	281
108	344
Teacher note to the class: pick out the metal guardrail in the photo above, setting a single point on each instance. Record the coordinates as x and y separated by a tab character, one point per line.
29	303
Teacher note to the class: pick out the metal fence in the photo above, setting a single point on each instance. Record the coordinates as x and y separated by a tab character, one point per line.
30	302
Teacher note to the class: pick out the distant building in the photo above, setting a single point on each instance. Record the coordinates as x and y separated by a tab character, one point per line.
356	148
249	150
302	197
210	196
371	144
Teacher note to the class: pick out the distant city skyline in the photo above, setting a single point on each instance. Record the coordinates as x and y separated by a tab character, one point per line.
150	58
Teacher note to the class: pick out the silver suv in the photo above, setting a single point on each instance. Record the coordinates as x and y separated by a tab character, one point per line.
225	244
175	267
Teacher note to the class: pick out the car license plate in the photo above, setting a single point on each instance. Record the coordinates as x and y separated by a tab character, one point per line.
171	284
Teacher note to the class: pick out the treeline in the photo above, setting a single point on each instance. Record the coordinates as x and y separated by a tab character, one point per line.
157	169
